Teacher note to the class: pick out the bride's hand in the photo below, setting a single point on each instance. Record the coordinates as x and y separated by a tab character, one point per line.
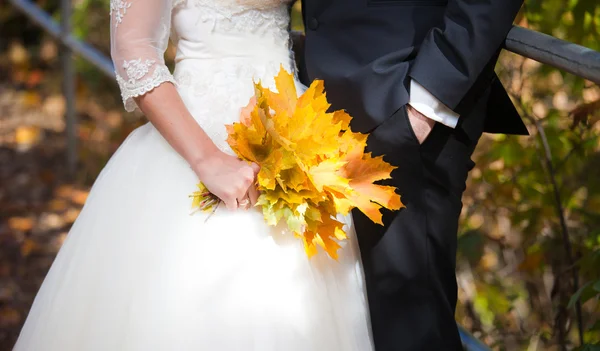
229	178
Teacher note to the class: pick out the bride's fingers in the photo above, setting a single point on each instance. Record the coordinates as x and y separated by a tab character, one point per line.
244	203
255	168
231	203
253	195
230	199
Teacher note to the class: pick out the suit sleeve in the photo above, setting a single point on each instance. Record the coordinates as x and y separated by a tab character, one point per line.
452	57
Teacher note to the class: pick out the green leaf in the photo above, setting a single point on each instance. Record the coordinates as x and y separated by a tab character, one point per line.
595	326
470	246
590	263
597	285
589	347
584	293
295	221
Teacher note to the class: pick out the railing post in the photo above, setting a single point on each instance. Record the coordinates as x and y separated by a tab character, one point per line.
68	86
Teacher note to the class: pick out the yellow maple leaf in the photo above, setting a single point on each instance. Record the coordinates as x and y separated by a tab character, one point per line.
327	173
285	98
313	166
324	234
343	117
367	196
270	168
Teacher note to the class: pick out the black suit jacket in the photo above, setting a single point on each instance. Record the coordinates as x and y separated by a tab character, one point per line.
368	50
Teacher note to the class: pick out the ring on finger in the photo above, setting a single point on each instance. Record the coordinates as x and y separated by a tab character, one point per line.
245	202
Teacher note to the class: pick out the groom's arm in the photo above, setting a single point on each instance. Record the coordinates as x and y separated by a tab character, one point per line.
451	58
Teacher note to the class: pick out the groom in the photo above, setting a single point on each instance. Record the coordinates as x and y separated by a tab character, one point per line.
419	75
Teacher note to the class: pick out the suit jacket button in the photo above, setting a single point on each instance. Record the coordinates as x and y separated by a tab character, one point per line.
313	23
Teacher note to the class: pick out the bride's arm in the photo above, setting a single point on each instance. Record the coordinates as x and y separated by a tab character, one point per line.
139	37
165	110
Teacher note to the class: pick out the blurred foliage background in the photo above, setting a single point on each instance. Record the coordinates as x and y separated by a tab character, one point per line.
517	255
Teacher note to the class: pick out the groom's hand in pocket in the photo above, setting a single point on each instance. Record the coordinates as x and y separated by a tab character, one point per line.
421	124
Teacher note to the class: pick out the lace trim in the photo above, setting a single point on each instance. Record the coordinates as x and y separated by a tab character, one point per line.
119	8
135	87
136	69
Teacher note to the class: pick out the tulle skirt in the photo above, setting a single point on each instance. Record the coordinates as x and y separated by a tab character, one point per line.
137	272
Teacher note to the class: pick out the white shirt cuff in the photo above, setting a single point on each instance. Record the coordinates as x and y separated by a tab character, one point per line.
427	104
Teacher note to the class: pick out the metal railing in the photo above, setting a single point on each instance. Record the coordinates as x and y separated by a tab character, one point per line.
569	57
566	56
69	45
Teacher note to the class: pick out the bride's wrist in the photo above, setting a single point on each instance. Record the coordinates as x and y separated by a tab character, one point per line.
205	161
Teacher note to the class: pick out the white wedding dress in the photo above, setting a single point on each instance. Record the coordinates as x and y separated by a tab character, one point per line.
137	272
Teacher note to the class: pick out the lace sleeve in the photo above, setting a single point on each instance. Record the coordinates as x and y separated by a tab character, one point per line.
139	32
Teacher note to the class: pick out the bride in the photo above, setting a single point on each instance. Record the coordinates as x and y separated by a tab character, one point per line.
137	271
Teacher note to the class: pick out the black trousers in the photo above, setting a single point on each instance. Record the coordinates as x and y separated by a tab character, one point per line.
410	262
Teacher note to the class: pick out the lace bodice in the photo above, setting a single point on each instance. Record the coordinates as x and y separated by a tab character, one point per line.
243	16
140	31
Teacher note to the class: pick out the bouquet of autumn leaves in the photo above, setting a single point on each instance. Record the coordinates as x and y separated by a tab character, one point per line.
312	166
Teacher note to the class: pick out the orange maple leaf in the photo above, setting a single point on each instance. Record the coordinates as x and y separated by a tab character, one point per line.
313	167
